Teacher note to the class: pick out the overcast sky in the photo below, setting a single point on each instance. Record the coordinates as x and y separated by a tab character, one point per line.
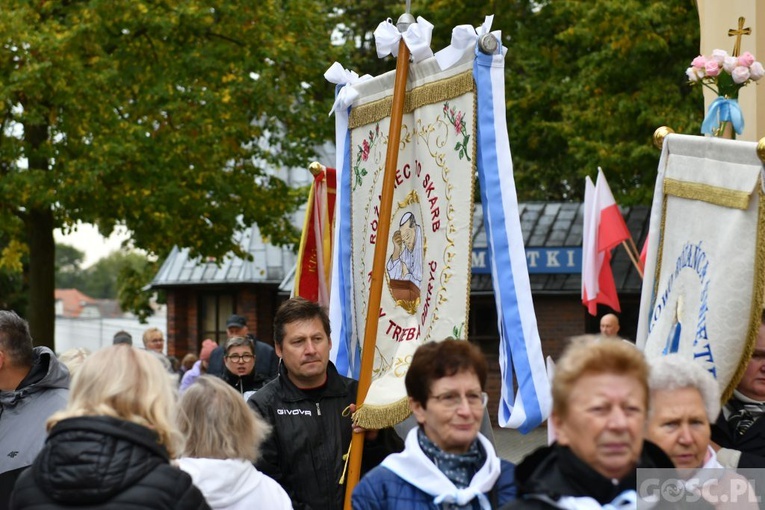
88	240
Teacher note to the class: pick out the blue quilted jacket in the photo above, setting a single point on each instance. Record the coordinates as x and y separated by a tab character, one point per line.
381	489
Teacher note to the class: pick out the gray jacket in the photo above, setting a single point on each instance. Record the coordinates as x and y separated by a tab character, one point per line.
23	413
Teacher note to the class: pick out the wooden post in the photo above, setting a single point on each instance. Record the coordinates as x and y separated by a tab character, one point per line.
378	266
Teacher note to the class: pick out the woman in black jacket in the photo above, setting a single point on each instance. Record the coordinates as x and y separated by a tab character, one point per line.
111	446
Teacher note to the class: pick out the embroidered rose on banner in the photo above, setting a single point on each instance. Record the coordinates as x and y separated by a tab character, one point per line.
457	119
359	171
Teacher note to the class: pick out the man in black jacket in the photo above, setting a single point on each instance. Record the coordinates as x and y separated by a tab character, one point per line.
740	428
305	404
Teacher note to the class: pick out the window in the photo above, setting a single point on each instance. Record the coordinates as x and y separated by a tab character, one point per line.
214	310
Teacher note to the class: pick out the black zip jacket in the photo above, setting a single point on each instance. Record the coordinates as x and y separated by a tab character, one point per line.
304	453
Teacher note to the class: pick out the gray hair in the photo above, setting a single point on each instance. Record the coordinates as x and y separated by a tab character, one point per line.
15	339
673	372
239	341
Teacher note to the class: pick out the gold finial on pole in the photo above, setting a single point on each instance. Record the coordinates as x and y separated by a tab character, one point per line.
761	149
740	31
316	168
659	134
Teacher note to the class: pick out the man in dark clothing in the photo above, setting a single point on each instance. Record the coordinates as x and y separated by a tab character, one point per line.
266	361
305	404
33	385
740	429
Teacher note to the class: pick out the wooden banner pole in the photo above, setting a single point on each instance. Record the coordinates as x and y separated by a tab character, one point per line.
634	256
381	248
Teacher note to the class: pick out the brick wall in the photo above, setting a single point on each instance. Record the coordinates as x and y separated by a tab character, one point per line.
257	303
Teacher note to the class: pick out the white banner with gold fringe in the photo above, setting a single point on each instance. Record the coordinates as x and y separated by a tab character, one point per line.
427	274
705	269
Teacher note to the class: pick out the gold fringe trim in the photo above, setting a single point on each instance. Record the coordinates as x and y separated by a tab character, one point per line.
429	93
706	193
380	417
758	287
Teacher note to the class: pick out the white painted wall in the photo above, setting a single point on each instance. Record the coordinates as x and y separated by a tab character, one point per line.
94	333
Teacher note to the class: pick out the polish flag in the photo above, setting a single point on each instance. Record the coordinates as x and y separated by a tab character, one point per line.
604	228
644	252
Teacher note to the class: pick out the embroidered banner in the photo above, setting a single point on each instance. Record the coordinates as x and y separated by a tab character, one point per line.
427	274
705	268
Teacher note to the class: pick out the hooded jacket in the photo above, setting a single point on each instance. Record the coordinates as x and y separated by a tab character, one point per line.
234	484
103	462
23	413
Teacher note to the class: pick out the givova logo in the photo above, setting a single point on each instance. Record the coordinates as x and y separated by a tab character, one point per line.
305	412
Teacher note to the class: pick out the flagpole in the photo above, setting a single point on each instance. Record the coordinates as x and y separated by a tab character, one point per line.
635	259
381	247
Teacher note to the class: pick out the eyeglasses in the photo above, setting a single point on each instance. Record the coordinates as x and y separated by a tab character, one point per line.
244	358
454	400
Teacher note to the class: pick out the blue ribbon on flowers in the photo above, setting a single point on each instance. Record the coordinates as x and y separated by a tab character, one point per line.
722	110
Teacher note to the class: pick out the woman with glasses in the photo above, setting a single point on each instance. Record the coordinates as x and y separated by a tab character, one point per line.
446	462
223	438
239	360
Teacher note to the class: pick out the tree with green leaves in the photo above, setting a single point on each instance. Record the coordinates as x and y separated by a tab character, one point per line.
165	116
587	83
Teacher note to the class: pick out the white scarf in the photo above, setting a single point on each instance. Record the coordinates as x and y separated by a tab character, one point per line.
415	468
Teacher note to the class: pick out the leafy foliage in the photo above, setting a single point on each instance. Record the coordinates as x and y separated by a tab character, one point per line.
165	116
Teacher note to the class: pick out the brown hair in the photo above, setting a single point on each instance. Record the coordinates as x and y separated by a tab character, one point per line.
298	309
593	356
434	360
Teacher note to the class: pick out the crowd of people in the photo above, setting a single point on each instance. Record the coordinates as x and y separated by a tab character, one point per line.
248	425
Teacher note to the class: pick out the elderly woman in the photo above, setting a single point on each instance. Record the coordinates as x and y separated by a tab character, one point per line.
111	446
685	399
600	400
446	462
223	437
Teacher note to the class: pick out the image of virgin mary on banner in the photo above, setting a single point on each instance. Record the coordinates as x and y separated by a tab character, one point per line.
705	269
427	271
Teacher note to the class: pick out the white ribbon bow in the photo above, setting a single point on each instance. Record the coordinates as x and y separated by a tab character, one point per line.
339	75
464	38
417	38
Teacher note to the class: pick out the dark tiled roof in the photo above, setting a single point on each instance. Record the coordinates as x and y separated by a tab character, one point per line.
556	224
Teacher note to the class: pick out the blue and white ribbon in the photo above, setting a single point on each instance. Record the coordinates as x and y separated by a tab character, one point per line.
341	287
722	110
464	38
417	38
520	347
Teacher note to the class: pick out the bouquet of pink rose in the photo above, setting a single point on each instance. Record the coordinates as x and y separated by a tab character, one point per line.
725	72
725	75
